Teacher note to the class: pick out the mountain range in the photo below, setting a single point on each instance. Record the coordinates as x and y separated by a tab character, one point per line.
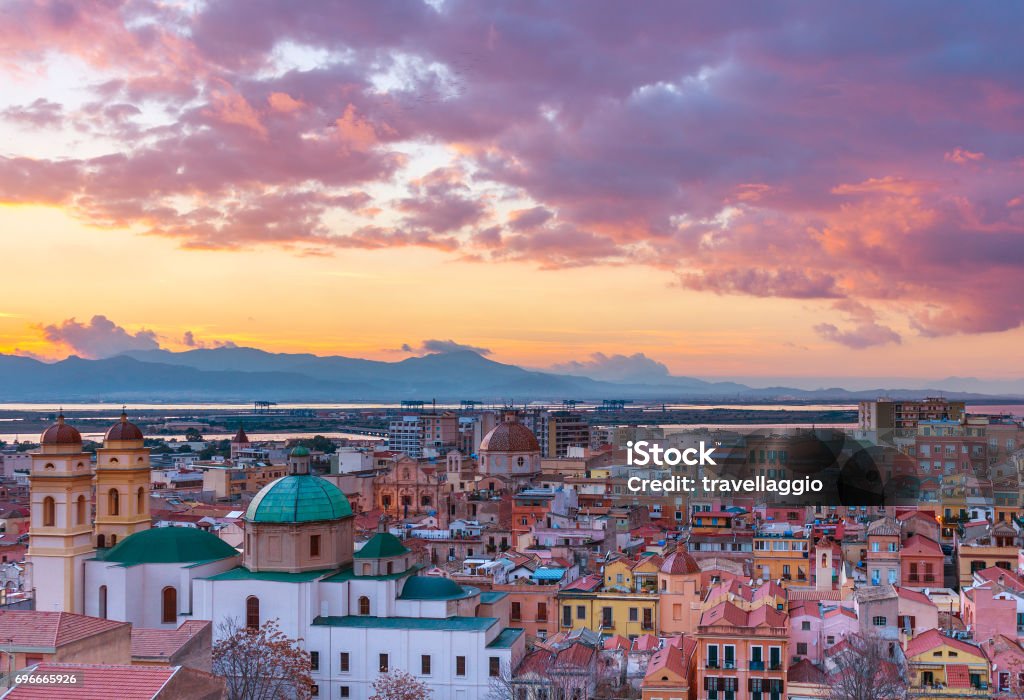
247	374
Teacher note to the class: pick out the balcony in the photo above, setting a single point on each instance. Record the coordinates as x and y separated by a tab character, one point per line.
757	665
711	664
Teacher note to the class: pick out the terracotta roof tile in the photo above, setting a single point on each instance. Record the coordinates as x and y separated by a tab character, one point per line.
162	643
99	682
40	628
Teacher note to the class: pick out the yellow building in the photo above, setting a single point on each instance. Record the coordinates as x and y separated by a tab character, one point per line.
122	484
782	554
637	576
60	485
609	612
940	666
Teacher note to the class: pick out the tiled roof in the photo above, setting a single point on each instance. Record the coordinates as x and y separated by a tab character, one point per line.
164	644
99	682
958	676
884	527
932	638
616	641
804	671
586	583
668	659
646	642
917	544
39	628
915	596
731	614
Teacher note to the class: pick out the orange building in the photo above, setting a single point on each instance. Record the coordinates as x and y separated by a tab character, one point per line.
670	672
532	608
921	562
743	652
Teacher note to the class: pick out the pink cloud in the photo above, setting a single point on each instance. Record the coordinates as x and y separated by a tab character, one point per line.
774	152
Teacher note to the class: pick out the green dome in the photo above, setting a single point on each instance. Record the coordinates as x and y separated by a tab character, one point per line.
381	546
433	588
300	451
298	498
169	545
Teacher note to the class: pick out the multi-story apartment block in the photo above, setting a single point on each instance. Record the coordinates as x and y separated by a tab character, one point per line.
890	419
781	553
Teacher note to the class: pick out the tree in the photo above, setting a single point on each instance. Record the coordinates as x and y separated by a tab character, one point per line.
865	670
193	435
318	443
261	663
399	685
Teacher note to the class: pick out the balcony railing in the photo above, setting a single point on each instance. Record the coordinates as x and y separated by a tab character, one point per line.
757	665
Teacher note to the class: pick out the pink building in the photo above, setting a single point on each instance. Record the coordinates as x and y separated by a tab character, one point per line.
815	626
989	611
1007	659
917	613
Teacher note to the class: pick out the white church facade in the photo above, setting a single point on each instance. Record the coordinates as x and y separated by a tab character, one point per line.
358	612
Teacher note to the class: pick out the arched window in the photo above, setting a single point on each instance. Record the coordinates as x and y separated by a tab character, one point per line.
113	540
169	611
113	502
101	541
80	511
389	568
140	501
364	605
252	612
103	601
49	511
113	460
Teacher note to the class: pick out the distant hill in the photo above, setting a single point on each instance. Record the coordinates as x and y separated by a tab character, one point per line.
243	374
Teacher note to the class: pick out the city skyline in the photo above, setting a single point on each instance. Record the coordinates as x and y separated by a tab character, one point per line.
774	194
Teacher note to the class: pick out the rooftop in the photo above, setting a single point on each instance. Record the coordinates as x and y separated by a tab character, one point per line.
49	630
168	545
99	682
506	638
381	546
451	624
298	498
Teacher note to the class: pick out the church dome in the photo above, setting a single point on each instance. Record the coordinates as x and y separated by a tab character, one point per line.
298	498
680	562
123	430
299	451
381	546
433	588
510	436
60	433
169	545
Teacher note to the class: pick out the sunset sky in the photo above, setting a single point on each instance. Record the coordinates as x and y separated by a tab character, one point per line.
762	190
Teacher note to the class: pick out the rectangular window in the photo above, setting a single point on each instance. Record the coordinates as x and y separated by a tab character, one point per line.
878	621
494	667
606	617
314	691
712	656
542	612
648	619
566	615
581	612
314	660
729	655
314	545
460	665
383	659
634	614
515	614
343	662
805	625
801	648
345	692
774	658
425	664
